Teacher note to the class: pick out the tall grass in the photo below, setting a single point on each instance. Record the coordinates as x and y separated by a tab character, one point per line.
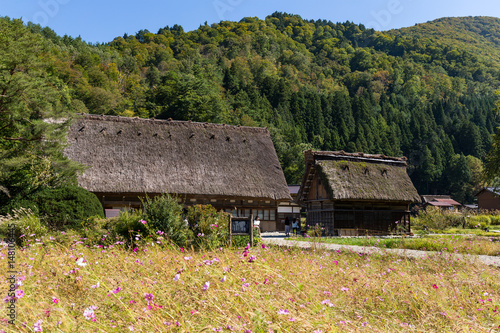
71	287
447	243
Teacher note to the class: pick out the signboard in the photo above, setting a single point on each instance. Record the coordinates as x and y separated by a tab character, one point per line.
241	226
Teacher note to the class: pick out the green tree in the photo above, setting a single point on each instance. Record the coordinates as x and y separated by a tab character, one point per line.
35	111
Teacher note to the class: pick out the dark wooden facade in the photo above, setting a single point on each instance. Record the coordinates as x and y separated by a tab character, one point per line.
488	199
265	209
342	210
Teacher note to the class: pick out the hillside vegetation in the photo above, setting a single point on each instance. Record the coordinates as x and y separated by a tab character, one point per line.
426	92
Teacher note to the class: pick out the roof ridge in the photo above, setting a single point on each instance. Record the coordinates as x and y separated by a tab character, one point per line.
102	117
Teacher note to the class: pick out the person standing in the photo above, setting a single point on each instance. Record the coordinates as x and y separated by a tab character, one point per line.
295	226
256	223
287	227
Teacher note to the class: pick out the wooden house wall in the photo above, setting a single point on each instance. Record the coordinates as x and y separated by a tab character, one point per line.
354	217
266	209
488	201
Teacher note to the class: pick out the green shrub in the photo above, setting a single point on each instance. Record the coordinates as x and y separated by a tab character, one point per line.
495	219
163	214
98	230
242	241
66	206
478	222
27	225
129	224
432	218
210	228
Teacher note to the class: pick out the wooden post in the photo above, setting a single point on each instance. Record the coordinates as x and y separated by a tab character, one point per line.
230	229
251	229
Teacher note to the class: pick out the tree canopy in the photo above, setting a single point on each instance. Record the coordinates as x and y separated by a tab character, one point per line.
426	92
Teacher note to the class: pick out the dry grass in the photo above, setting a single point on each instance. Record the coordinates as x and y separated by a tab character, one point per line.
264	290
466	244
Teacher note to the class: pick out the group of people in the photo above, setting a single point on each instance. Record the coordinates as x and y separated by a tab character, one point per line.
295	226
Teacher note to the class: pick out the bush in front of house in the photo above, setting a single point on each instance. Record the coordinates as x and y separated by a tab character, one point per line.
431	218
210	227
478	222
164	214
65	206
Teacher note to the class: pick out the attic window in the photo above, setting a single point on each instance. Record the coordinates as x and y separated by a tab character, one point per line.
212	136
156	134
81	129
102	130
191	136
119	132
384	172
366	171
345	167
139	134
228	138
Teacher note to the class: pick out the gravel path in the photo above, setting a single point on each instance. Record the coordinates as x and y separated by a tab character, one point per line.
278	240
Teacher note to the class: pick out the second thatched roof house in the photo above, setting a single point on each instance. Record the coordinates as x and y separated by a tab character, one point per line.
230	167
356	194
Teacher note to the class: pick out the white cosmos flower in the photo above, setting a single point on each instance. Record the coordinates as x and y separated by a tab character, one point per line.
81	262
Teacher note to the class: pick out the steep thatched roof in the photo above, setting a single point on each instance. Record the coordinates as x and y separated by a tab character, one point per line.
132	155
360	176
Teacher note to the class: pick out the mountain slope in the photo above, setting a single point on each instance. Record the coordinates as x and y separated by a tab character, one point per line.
426	92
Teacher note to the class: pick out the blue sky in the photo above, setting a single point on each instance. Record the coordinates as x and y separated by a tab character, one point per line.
101	21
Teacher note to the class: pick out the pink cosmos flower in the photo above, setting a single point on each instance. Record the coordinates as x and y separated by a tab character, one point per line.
206	286
117	290
283	311
434	286
143	222
19	293
344	289
37	327
89	313
177	277
55	300
149	297
223	279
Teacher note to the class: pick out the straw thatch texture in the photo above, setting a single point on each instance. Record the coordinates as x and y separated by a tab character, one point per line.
131	155
362	177
367	181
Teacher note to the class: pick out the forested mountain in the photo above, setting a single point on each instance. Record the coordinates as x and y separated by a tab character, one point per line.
426	92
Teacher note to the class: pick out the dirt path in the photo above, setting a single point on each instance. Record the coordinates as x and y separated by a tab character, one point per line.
488	260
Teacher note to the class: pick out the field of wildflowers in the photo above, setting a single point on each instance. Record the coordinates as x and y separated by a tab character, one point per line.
78	286
462	244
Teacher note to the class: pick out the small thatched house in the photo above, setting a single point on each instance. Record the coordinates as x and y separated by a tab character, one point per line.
356	194
230	167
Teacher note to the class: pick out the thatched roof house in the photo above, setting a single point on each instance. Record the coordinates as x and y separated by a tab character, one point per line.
356	190
203	163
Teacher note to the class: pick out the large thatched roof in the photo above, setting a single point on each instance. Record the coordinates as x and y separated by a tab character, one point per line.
360	176
132	155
